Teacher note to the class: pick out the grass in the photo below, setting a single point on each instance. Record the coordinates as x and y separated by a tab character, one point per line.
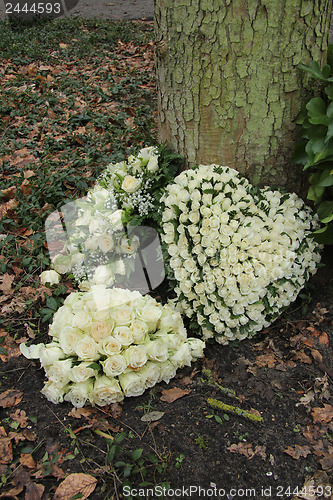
75	95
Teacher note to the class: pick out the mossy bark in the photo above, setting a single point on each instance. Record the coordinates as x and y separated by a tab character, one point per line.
228	86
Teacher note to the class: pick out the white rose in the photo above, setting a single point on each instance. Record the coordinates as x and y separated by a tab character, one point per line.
181	274
32	351
182	357
168	214
150	373
168	227
100	330
186	286
152	165
124	335
171	320
114	365
147	153
53	392
116	218
51	277
129	246
136	356
139	330
80	393
168	371
68	337
106	391
105	243
194	216
171	340
200	288
86	348
120	267
150	314
50	353
196	347
62	263
157	350
130	184
132	384
99	298
59	371
81	320
82	372
122	315
173	250
103	276
110	346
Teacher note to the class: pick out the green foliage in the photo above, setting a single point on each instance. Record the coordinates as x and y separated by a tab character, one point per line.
315	150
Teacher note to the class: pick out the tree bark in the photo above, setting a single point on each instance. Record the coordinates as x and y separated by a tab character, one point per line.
228	86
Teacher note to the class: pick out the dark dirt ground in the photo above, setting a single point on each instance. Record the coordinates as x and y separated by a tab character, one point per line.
198	446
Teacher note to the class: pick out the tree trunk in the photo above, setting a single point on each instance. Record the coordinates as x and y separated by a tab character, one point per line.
228	86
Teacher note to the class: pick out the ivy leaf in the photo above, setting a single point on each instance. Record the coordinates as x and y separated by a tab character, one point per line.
317	111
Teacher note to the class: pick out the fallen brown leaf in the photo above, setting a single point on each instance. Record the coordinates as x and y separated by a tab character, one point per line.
327	461
34	491
76	484
316	355
267	359
302	357
27	460
10	398
247	450
297	451
171	395
323	339
6	283
322	415
20	417
6	450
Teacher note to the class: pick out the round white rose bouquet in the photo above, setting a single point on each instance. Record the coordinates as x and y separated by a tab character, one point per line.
108	343
238	255
101	245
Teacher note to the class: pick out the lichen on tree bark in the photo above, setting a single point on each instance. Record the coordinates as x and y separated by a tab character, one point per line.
228	84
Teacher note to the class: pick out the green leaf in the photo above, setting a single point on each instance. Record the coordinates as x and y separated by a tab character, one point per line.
325	211
317	111
315	193
314	70
137	454
52	303
329	92
326	178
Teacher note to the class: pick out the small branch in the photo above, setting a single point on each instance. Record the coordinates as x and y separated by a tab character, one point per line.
215	403
209	376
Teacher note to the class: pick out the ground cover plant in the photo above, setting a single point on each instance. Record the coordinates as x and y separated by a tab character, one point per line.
77	95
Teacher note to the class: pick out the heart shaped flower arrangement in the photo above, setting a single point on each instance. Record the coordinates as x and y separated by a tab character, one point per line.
238	255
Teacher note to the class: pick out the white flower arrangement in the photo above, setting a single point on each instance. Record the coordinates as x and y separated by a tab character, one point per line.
238	255
108	343
99	249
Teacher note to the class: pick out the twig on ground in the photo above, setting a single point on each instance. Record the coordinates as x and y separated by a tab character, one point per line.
215	403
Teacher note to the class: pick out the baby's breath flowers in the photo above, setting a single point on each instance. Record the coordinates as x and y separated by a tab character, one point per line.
111	343
238	255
